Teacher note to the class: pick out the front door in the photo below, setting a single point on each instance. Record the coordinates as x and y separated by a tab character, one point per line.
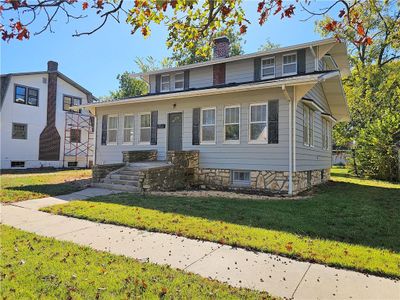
175	131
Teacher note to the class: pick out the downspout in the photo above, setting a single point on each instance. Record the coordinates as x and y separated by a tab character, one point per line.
95	137
290	188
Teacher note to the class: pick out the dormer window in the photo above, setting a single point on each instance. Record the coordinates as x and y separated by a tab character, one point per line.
165	83
268	67
179	81
289	66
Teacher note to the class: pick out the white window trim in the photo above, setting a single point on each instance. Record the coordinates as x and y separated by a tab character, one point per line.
242	183
311	117
250	141
124	128
183	81
108	130
305	107
231	141
140	127
201	127
161	83
283	64
271	76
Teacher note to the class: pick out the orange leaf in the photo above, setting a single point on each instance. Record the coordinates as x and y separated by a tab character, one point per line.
85	5
360	29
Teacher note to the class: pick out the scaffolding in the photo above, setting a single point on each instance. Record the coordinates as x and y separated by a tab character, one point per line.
78	140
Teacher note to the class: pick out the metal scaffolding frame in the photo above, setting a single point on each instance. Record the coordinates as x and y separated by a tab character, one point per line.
85	146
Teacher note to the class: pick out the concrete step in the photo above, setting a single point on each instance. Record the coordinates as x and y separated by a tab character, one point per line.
121	182
129	172
124	177
117	187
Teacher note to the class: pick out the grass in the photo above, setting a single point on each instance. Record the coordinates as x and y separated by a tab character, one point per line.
34	267
24	186
345	224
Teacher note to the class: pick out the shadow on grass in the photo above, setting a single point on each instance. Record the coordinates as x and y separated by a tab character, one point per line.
25	192
343	212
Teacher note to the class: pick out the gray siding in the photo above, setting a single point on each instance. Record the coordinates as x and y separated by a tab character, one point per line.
240	71
201	77
317	94
242	156
311	158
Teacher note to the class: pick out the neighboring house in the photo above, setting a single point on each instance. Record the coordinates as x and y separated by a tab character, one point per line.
38	126
259	121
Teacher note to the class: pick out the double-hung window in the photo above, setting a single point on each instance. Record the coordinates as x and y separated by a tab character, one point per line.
145	128
112	130
308	126
69	101
208	125
289	66
258	123
128	129
165	83
179	81
325	134
232	124
268	67
26	95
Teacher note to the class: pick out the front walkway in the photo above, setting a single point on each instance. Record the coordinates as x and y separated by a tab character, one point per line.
277	275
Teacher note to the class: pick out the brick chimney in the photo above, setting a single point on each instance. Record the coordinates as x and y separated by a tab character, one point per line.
221	47
49	141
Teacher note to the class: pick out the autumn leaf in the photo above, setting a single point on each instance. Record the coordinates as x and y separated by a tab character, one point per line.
360	29
243	29
289	246
85	5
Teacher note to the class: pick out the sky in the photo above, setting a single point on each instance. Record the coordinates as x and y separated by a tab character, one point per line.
94	61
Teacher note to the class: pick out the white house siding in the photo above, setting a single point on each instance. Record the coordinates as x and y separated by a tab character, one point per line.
241	156
35	117
64	88
312	158
201	77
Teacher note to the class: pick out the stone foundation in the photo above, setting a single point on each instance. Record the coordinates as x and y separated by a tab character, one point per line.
139	155
262	181
100	172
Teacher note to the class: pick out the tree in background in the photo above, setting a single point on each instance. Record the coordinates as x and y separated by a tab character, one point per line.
373	89
268	45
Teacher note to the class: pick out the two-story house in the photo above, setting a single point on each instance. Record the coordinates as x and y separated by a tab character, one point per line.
38	126
259	121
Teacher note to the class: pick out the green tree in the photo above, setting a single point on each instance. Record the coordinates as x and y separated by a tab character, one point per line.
129	87
268	45
373	88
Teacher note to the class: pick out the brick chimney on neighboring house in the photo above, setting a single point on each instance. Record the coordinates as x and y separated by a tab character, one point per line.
49	142
221	50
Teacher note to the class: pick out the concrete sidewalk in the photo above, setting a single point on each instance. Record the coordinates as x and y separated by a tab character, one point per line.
277	275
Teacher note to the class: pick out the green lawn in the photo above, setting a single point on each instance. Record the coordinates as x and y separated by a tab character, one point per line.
351	223
34	267
33	185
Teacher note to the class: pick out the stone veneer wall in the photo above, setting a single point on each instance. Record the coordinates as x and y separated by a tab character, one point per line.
139	155
101	171
267	181
180	174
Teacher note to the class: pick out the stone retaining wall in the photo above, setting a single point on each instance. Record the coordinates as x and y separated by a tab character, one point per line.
139	155
101	171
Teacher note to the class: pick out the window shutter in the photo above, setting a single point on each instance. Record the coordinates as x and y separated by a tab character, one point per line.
186	75
104	130
301	61
257	68
196	127
154	122
158	83
273	121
